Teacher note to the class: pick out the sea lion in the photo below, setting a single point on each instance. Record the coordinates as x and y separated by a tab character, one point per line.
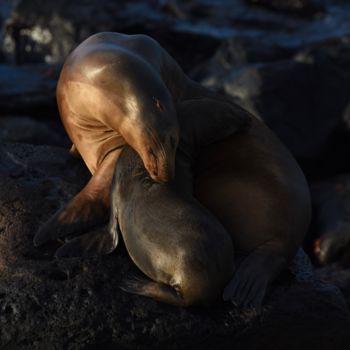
172	238
250	182
331	202
256	189
117	89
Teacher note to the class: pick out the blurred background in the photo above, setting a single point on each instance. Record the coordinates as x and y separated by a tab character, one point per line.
287	61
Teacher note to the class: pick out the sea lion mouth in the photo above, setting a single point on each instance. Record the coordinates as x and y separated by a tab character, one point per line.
159	166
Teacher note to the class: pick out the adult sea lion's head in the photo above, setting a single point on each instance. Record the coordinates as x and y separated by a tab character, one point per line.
150	127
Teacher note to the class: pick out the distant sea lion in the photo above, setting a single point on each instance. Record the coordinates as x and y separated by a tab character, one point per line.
249	181
331	200
113	90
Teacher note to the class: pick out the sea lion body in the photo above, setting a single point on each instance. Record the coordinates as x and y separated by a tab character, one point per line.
117	89
248	180
170	236
256	189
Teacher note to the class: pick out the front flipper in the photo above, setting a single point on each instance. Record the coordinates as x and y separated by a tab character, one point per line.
87	210
252	277
99	242
78	216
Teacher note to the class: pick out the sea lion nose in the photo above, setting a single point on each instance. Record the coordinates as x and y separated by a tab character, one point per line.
161	176
317	246
160	165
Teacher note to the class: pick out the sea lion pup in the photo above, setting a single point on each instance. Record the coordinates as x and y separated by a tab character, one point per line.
170	237
117	89
254	186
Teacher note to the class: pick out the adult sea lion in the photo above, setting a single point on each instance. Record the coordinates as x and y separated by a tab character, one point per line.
254	186
249	181
117	89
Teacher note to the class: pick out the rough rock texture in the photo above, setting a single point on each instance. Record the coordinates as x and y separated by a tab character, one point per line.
76	303
39	31
298	7
336	274
23	129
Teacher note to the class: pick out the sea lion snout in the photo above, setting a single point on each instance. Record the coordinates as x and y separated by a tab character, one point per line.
331	246
157	151
160	163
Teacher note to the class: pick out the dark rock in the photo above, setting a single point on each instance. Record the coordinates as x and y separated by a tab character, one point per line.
28	89
76	303
28	130
300	7
6	8
297	99
47	32
39	31
337	275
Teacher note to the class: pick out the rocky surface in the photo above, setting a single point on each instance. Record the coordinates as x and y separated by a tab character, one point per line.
295	7
287	61
77	304
338	275
25	129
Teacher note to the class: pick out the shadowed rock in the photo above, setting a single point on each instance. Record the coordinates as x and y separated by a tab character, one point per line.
23	129
77	303
297	7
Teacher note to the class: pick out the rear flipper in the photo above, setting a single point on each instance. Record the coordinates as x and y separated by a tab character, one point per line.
253	276
148	288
